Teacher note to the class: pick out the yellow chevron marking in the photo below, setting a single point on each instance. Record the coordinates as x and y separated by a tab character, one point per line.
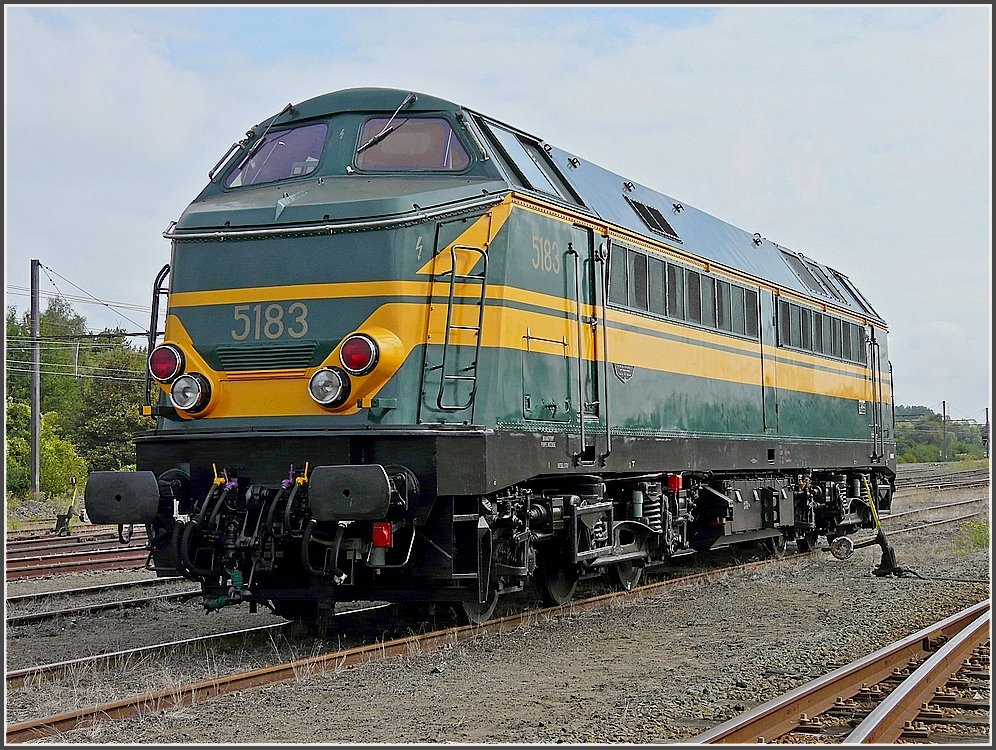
479	234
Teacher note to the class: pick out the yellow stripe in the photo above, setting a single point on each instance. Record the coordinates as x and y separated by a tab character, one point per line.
244	394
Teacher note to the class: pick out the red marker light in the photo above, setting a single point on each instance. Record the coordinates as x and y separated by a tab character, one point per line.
165	363
358	354
383	534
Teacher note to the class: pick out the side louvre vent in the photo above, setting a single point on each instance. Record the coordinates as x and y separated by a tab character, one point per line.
266	356
654	219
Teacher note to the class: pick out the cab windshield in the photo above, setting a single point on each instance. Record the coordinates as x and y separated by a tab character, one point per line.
281	155
410	144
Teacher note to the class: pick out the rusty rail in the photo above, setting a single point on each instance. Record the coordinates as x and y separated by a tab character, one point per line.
784	713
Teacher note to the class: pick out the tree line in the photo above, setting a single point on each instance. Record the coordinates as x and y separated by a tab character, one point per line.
92	391
924	436
92	388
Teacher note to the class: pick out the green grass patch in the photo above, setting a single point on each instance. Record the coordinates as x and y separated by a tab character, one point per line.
975	534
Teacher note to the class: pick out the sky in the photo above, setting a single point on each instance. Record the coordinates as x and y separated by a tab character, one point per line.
860	136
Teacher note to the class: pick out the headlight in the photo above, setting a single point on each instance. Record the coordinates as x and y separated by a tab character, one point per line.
329	387
165	363
359	354
190	392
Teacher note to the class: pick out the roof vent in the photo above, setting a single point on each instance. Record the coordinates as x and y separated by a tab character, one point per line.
653	218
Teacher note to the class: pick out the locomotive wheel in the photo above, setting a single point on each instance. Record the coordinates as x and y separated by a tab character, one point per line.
475	613
624	575
305	616
555	579
806	542
774	547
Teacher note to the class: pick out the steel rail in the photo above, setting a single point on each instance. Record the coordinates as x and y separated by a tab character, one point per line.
83	562
18	677
198	692
67	546
885	723
205	690
86	609
913	511
782	714
14	599
936	523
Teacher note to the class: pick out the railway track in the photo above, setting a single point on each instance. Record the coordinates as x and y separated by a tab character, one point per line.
21	619
86	540
907	691
911	480
196	692
40	565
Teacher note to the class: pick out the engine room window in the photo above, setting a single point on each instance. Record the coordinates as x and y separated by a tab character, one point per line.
638	281
423	144
617	275
657	289
281	155
675	292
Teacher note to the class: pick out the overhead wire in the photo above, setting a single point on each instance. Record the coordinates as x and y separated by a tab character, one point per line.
96	299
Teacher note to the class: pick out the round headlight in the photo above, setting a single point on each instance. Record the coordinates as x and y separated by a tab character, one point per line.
359	354
329	387
190	392
165	363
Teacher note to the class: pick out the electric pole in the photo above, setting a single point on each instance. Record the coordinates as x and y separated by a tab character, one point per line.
944	428
35	381
985	439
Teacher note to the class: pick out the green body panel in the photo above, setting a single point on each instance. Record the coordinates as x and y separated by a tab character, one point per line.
517	388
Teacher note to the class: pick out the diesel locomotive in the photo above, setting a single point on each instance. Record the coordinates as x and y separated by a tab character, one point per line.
404	351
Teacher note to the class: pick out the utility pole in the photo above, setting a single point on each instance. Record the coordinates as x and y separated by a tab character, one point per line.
985	440
35	380
944	427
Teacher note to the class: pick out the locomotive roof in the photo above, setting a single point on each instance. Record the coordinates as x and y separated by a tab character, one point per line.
613	198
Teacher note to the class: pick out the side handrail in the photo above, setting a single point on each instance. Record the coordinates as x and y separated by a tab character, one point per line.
602	256
579	409
159	290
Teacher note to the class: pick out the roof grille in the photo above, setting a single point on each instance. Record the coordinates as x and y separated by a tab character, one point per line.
654	219
266	356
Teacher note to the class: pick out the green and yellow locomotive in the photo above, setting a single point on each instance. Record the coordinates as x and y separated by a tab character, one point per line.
414	354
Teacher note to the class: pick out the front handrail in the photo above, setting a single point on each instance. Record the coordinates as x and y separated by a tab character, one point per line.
159	290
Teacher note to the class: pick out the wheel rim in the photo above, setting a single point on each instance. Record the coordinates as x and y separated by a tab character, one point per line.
625	575
775	546
475	613
556	582
807	542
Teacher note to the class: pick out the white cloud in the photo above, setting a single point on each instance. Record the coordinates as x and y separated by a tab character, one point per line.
860	136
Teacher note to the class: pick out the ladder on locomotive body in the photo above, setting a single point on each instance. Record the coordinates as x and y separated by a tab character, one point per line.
469	373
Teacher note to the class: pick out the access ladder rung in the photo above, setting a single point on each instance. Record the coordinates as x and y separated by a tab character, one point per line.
459	377
455	327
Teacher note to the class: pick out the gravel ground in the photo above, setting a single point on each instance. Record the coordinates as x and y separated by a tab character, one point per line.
659	670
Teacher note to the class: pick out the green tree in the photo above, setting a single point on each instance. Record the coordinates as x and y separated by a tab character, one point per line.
110	414
922	435
60	352
18	447
58	458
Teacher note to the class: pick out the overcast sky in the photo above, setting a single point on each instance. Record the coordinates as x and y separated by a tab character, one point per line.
860	136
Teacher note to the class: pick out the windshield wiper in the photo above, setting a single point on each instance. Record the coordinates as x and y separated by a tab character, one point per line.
262	139
387	126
